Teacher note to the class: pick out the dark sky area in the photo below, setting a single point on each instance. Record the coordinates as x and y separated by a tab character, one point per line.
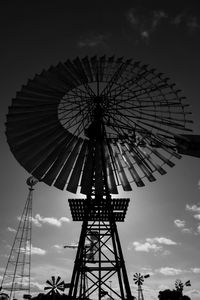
165	34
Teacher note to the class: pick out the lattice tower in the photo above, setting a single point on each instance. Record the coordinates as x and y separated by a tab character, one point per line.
16	278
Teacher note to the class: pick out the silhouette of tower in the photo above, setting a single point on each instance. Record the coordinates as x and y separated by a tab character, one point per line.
138	278
16	278
96	125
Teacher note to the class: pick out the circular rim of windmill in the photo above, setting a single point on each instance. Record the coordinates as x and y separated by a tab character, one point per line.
141	112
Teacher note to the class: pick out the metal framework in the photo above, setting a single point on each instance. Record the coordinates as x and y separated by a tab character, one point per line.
96	125
138	278
16	278
104	258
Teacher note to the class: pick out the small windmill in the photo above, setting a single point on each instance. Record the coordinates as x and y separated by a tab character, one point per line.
138	278
179	285
55	286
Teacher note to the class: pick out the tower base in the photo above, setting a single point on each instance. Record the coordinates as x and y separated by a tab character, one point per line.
99	259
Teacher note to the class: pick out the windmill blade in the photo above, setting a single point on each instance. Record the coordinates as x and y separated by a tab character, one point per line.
61	286
188	283
58	279
47	288
53	279
49	282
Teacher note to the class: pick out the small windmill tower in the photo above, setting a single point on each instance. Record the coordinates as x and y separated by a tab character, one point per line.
138	278
179	285
16	277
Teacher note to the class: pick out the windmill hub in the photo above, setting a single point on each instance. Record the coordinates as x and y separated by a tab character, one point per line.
98	99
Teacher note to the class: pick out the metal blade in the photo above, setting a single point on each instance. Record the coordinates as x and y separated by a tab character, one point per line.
53	279
67	167
57	280
76	173
49	282
58	163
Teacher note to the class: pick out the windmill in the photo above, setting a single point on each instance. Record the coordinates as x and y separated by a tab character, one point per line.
96	126
54	286
16	277
179	285
138	278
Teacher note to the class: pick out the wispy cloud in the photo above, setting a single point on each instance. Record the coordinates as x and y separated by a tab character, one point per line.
193	208
146	247
38	220
153	244
59	247
191	22
10	229
198	184
93	40
196	270
144	22
161	240
34	250
170	271
37	251
179	223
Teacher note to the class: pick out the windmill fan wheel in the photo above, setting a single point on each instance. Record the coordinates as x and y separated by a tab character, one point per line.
50	125
55	285
138	279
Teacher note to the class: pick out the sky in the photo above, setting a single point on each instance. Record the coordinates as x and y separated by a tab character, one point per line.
161	233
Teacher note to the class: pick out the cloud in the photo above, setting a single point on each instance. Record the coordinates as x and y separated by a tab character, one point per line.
198	184
197	216
193	208
37	251
146	247
93	41
196	270
143	23
153	244
169	271
39	220
198	228
191	22
179	223
11	229
161	240
59	247
34	250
